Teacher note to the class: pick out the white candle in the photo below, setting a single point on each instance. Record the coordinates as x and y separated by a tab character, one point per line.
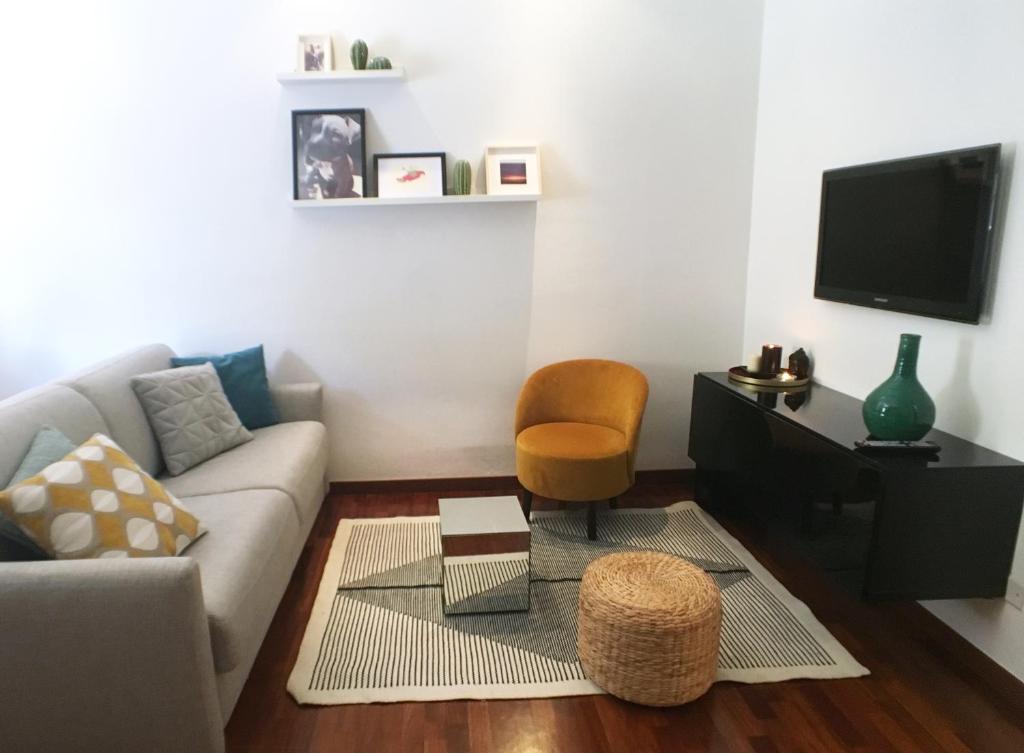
754	363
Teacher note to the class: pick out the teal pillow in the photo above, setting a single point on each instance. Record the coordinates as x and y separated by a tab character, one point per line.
243	375
48	446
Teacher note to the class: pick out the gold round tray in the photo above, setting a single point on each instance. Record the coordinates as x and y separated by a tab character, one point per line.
741	375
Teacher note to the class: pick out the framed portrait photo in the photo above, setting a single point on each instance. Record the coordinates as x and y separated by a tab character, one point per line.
513	169
315	53
409	175
328	154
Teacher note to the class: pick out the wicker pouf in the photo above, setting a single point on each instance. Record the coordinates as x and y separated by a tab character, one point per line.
648	627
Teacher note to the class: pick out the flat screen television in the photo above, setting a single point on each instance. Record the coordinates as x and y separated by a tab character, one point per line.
911	235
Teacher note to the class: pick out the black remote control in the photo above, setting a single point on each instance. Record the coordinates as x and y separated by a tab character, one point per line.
896	445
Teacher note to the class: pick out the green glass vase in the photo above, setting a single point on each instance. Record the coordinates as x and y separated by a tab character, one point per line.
900	408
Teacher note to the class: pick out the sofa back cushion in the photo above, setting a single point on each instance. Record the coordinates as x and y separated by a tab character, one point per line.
108	386
21	418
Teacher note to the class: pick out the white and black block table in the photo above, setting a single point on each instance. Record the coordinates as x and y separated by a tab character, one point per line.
485	555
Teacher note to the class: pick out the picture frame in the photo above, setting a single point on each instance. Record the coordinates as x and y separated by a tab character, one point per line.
328	154
512	169
315	53
410	175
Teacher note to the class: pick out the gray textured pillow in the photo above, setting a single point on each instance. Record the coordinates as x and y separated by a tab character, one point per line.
190	415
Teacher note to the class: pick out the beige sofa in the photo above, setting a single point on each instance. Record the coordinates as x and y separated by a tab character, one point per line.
150	655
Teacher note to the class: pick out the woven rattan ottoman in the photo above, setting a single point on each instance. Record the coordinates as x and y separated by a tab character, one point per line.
648	627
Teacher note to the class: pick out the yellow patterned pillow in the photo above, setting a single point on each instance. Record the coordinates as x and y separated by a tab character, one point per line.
97	502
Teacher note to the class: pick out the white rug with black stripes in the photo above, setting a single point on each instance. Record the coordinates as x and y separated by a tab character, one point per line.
377	631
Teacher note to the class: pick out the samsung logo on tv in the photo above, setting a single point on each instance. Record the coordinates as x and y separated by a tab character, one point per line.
881	300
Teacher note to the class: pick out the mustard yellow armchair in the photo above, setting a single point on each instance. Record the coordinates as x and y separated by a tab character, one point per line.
577	427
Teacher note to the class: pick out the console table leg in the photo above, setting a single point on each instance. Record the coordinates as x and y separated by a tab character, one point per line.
706	488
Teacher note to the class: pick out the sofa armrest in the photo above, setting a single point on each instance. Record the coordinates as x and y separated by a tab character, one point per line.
298	402
106	655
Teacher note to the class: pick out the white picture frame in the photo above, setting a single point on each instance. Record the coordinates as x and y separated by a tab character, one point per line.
512	169
314	53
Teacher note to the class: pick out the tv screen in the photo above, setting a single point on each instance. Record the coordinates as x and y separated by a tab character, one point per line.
909	235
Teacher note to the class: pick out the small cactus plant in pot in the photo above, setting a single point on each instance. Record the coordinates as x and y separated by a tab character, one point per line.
359	53
379	64
462	178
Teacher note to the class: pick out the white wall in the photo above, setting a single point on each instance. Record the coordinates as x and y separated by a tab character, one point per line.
845	83
146	176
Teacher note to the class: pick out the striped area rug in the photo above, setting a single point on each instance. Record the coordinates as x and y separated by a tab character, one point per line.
377	631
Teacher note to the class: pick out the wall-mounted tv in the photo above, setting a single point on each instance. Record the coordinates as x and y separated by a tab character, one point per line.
911	235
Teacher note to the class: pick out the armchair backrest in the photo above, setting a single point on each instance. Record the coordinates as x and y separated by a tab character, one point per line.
589	390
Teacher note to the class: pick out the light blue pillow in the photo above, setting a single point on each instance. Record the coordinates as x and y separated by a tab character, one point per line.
47	448
243	375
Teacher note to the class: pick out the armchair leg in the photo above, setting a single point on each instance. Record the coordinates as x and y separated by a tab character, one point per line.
592	521
527	502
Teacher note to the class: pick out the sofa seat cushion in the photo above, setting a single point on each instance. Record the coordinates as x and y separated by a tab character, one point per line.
244	561
290	457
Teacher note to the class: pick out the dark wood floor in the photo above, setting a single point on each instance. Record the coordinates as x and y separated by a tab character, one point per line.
929	691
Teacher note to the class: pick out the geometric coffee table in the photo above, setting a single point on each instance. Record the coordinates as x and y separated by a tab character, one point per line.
485	555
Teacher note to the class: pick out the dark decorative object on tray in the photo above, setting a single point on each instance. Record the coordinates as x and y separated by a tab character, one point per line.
771	359
900	408
794	400
799	364
329	154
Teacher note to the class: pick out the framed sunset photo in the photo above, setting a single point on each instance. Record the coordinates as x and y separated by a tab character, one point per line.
417	174
512	169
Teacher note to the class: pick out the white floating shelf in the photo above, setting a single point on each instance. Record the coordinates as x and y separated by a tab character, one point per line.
477	198
343	76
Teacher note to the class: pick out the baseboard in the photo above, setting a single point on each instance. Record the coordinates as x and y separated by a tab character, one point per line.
485	483
666	476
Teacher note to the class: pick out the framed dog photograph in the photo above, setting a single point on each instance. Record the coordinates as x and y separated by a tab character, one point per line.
328	154
406	175
512	169
315	53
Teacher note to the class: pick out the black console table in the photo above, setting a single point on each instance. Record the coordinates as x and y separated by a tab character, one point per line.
899	526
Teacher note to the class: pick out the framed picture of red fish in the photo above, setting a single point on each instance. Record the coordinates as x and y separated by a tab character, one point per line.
410	175
329	154
512	169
